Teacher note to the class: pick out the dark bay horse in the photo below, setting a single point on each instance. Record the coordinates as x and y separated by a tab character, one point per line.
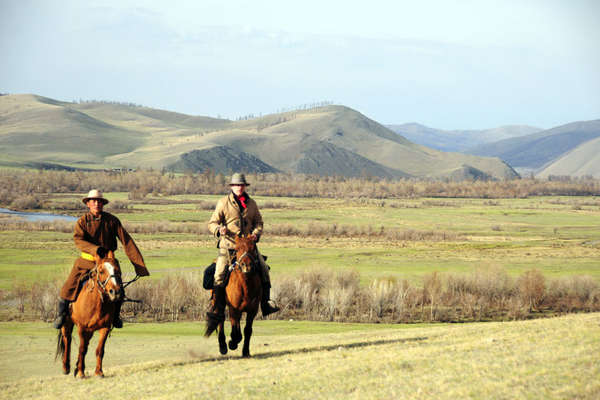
243	293
92	311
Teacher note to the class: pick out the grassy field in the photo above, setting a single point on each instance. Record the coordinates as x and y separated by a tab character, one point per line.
538	359
556	235
544	358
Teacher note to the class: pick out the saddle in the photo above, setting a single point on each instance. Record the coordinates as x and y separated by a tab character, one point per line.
208	281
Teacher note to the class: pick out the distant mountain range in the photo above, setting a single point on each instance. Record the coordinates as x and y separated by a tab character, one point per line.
330	140
459	140
568	150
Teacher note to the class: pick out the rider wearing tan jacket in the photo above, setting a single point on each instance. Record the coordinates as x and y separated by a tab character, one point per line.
235	215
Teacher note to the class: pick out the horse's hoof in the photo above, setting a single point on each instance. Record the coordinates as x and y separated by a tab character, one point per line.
223	349
99	375
232	345
246	355
66	371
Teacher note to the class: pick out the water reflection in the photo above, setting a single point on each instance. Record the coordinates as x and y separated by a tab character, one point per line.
37	217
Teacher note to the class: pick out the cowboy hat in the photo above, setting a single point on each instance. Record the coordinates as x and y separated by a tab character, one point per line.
95	194
238	179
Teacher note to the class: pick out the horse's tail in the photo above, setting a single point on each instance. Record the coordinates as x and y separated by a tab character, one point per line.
60	346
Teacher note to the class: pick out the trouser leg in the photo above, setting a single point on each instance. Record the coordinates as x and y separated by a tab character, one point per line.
223	260
265	274
216	311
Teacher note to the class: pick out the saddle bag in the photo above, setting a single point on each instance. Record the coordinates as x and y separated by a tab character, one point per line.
209	277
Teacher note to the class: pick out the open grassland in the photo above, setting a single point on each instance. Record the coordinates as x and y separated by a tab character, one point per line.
405	238
553	358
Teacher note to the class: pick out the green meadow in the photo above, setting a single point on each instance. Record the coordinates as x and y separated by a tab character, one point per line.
550	358
555	235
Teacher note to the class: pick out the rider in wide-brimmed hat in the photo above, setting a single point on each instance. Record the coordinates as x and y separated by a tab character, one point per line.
96	233
235	215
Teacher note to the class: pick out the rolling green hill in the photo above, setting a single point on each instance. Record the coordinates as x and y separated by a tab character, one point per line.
327	140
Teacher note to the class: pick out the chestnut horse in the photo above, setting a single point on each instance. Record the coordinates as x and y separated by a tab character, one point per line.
243	293
93	310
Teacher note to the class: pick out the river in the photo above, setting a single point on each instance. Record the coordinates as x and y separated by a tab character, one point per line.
37	217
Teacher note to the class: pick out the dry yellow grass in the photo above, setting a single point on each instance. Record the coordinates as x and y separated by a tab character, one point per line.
540	359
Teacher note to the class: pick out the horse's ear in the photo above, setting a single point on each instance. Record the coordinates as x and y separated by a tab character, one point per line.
110	254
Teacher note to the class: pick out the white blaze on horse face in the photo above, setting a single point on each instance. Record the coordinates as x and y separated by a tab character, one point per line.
111	272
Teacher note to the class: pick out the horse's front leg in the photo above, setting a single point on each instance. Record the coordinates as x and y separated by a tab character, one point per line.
84	341
222	340
100	351
66	333
248	333
236	331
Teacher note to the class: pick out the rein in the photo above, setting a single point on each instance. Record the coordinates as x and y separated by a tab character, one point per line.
246	253
125	298
102	284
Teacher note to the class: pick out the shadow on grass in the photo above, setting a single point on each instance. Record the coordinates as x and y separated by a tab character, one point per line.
198	359
273	354
337	347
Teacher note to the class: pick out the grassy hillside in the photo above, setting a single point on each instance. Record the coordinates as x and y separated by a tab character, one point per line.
584	160
550	359
542	148
327	140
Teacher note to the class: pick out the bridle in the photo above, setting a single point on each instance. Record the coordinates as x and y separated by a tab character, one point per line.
102	284
239	265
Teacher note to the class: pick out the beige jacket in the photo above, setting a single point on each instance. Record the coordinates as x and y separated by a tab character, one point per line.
227	213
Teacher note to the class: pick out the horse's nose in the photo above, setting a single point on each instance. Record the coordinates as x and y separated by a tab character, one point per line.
114	294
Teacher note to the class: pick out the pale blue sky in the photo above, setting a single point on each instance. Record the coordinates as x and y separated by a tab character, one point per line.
445	64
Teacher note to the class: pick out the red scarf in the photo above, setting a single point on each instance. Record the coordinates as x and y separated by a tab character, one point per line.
242	200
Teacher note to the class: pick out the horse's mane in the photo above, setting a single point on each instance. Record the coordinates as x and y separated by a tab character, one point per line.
244	244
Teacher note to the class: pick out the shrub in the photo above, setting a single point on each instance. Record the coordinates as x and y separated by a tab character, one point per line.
532	286
26	202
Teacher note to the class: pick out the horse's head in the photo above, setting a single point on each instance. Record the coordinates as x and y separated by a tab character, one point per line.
108	276
245	251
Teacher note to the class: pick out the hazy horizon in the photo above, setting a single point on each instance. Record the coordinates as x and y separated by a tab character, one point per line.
444	64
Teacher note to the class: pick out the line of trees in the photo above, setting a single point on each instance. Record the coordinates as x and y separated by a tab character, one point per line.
19	187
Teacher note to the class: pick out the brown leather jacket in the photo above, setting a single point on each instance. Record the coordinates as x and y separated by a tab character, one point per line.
227	213
91	233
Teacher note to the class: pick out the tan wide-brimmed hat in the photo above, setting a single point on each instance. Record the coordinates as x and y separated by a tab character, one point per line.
238	179
95	194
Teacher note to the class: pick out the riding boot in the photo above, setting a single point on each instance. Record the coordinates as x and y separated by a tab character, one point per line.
117	321
266	304
63	310
217	311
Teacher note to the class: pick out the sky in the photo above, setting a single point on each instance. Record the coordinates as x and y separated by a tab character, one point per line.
472	64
